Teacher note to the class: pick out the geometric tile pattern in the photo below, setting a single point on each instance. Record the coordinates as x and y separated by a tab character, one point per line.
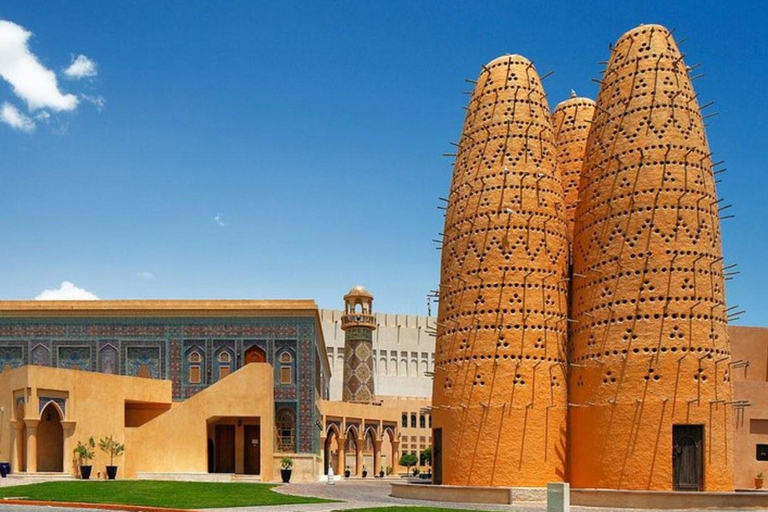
157	346
358	365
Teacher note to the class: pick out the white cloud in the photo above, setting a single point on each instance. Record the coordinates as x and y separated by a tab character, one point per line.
30	80
219	219
99	101
67	291
81	67
146	275
11	116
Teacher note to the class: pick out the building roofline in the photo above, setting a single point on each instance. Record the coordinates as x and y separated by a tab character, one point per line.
160	308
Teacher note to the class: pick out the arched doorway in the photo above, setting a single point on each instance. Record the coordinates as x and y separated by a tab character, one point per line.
255	354
50	440
370	450
353	452
389	450
331	446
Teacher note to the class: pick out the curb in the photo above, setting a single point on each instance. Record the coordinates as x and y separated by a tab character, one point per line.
102	506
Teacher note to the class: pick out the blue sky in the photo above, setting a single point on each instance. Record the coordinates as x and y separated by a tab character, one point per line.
291	150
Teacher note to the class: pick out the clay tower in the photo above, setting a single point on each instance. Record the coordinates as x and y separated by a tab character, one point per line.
358	324
499	392
571	121
649	381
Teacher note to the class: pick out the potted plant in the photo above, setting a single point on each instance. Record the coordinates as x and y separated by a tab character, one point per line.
347	472
114	449
759	480
85	453
286	467
381	473
365	472
408	460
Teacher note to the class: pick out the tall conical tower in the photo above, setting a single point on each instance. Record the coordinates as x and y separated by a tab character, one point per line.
358	324
499	397
649	384
571	121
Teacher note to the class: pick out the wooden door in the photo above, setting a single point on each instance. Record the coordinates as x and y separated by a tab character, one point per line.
437	456
225	448
252	449
687	457
255	355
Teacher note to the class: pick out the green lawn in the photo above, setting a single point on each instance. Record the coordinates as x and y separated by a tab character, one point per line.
156	493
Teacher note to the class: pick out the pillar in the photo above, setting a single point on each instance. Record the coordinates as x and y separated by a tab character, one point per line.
376	457
359	444
341	460
17	446
69	429
395	455
31	445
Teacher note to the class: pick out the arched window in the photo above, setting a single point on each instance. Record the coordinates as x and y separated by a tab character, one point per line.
224	363
422	421
195	364
405	420
285	423
430	421
286	367
413	420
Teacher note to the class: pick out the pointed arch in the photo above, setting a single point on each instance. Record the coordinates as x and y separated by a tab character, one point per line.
50	439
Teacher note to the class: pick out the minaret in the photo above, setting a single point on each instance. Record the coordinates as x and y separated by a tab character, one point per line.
650	389
499	395
358	324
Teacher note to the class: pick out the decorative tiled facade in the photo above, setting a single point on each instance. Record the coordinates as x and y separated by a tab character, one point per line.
158	348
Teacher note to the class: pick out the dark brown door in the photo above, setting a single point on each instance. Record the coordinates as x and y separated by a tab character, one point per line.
252	450
225	448
255	355
437	456
687	457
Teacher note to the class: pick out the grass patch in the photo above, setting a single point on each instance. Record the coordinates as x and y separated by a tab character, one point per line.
156	493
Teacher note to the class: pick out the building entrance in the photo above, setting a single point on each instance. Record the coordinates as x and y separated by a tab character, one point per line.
687	457
225	449
252	447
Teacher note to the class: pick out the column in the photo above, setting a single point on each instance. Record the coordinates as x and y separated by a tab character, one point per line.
376	457
326	454
69	429
359	456
395	455
340	463
17	446
31	445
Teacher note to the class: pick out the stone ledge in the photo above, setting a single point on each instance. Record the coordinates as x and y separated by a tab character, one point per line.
663	500
468	494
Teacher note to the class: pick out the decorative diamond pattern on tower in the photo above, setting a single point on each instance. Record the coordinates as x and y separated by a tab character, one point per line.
358	324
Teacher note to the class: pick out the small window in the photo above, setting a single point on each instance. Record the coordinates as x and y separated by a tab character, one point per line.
430	421
195	363
286	367
405	420
224	357
762	452
413	420
422	421
225	364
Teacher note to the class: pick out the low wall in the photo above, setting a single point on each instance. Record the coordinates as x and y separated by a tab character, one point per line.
307	468
662	500
462	494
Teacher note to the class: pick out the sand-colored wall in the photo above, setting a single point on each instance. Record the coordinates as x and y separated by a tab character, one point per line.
499	392
94	406
176	441
649	343
750	383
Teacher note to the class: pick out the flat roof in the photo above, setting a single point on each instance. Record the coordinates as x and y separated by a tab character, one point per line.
161	308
